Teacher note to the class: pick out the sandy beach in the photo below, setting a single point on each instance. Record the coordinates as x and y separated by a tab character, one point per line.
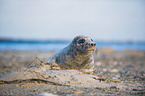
123	72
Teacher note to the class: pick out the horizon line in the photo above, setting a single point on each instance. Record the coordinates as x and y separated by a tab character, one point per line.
61	40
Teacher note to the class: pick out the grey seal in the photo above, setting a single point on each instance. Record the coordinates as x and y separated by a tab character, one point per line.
77	55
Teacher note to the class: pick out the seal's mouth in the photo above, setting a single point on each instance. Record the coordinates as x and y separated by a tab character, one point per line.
92	46
92	49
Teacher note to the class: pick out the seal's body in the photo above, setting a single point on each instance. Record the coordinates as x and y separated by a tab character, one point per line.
77	55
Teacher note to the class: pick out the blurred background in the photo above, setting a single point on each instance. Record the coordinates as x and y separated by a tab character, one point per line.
52	24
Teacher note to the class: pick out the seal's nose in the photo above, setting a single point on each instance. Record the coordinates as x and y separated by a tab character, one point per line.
92	44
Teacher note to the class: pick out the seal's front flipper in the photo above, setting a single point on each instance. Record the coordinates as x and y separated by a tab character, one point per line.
87	71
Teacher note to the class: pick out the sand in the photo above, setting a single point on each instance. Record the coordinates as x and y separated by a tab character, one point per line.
117	73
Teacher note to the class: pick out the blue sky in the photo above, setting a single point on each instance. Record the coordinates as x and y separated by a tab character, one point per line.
106	20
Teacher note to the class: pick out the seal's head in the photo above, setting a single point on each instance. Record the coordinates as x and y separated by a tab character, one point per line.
84	44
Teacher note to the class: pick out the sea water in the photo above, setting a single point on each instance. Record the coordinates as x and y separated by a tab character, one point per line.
57	45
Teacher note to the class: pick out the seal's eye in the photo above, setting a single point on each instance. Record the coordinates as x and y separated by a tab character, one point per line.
81	41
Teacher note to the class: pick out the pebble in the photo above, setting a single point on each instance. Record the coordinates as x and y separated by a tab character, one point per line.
46	94
114	70
114	80
137	89
78	92
113	87
104	69
98	63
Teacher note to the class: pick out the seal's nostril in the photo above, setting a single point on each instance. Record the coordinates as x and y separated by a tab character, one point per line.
92	44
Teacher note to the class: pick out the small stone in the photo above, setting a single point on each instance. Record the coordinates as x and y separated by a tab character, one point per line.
137	89
17	85
98	63
74	79
114	80
114	70
55	76
104	69
120	86
113	87
78	92
55	68
46	94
